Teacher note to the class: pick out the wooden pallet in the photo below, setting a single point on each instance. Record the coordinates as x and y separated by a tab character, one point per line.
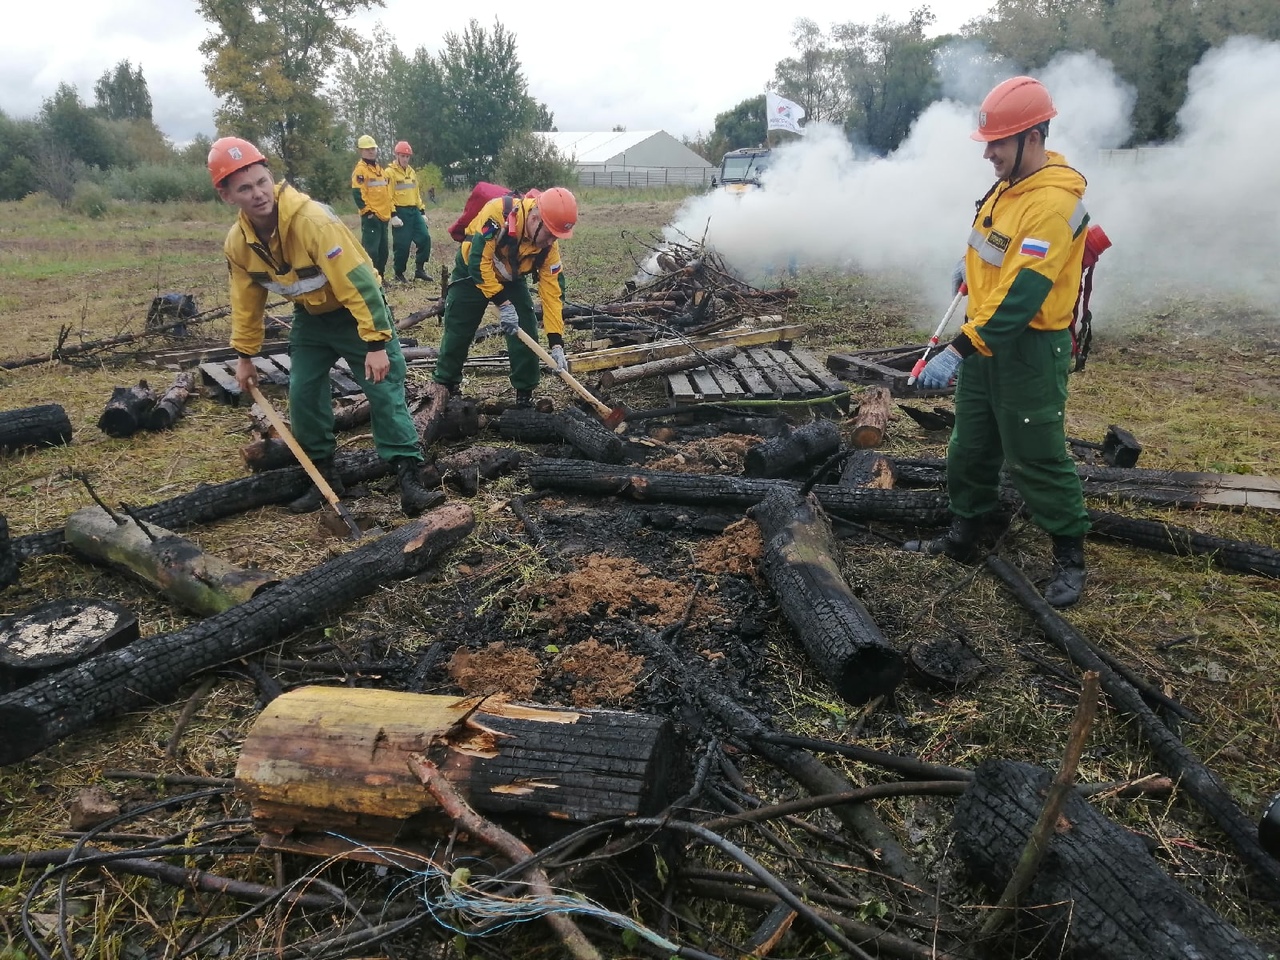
883	367
758	373
219	377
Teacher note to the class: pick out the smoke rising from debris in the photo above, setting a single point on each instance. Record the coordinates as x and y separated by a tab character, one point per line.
1197	217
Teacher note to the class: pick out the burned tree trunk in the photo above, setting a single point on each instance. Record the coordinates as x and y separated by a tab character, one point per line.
179	569
657	486
171	404
1166	538
802	447
586	434
44	426
324	760
866	468
215	501
59	633
464	471
836	630
9	562
872	419
660	368
267	453
1098	889
128	410
151	670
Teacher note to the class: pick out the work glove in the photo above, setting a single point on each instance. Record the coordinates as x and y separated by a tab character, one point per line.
941	370
396	221
557	354
508	319
957	277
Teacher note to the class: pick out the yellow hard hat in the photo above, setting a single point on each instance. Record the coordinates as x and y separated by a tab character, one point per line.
367	142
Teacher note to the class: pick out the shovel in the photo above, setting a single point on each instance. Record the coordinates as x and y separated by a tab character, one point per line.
612	416
346	525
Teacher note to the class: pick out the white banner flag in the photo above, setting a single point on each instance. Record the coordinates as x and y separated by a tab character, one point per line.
783	114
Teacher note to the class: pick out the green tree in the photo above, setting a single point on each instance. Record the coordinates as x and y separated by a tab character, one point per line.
362	93
740	126
889	71
485	100
528	160
267	60
72	130
415	91
122	94
814	77
19	154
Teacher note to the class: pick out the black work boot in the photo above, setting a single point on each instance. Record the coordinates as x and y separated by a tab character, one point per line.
400	277
415	495
313	499
960	542
524	399
1069	575
421	274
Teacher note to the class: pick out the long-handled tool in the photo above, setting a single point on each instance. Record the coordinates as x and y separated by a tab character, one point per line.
612	416
316	476
937	334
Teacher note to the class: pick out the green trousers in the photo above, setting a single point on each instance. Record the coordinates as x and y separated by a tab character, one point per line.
315	344
1011	410
464	307
373	237
413	232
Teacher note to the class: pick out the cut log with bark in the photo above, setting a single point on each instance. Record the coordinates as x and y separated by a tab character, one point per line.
867	468
46	425
923	507
465	470
172	403
59	633
660	368
804	446
335	760
872	419
267	453
153	669
210	502
196	581
1099	892
128	410
836	630
571	425
439	416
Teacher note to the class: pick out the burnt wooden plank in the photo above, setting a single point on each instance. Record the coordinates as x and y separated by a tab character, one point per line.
773	373
268	372
816	369
681	388
706	383
219	383
809	386
750	374
729	384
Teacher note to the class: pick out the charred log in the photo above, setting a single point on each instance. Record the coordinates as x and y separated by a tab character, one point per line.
866	468
128	410
215	501
837	632
10	565
465	470
656	486
803	447
571	425
1194	778
59	633
172	403
872	418
1098	889
153	669
44	426
1164	537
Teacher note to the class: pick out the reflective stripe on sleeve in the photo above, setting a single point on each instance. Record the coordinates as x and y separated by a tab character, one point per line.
987	252
295	289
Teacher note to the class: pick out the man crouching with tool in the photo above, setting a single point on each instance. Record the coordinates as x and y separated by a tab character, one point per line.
286	243
1023	268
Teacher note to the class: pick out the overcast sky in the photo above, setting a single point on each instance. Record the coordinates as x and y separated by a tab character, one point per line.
644	67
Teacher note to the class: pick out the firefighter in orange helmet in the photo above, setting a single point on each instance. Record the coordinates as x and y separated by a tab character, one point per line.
408	221
1010	361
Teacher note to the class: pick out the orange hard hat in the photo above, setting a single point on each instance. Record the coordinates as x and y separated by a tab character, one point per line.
229	154
1017	104
403	147
559	209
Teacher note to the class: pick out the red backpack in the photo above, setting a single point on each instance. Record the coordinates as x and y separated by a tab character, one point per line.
481	194
1096	242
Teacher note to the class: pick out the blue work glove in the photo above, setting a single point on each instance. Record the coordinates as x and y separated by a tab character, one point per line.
557	354
941	370
508	319
957	277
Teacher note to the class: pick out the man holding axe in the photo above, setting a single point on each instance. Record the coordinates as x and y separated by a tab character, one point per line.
284	242
1023	268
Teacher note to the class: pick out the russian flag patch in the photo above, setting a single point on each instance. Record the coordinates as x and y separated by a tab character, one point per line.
555	268
335	252
1032	247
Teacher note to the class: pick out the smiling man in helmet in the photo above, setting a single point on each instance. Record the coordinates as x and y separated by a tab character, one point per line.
409	223
1011	358
371	192
287	244
509	239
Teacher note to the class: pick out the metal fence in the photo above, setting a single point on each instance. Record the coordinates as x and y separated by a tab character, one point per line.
641	177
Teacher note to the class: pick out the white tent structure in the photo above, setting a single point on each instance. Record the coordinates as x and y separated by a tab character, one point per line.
631	158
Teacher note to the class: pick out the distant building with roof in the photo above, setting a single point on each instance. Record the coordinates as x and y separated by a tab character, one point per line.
631	158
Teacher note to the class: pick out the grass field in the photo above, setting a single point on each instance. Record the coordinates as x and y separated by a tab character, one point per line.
1197	383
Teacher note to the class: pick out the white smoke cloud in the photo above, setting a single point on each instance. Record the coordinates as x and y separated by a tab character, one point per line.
1199	216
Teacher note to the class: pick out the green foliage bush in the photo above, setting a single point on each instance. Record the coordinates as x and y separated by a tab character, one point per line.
90	200
528	161
159	183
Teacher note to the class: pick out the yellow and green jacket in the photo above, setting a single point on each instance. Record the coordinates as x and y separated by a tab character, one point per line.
496	254
1024	260
404	186
313	260
370	189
